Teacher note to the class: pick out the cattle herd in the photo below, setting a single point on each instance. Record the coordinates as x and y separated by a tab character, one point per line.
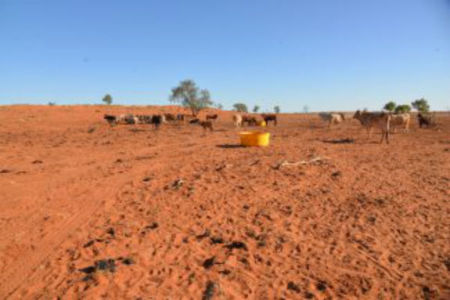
158	119
386	122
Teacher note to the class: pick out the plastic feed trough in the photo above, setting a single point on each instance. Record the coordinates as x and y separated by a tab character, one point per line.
249	138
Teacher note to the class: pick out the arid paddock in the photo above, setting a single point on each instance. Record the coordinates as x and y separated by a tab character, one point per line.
89	210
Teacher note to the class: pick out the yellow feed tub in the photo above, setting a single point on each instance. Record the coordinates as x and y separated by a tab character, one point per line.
262	123
249	138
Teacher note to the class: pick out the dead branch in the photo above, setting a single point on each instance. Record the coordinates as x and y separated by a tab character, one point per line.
286	163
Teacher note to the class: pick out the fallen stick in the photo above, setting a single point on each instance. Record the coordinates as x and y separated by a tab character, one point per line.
298	163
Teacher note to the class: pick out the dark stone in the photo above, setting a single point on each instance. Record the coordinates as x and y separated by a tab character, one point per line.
88	244
225	272
106	265
88	270
293	287
447	264
88	277
111	231
336	174
203	235
128	261
427	293
209	291
216	240
152	226
209	262
321	286
237	245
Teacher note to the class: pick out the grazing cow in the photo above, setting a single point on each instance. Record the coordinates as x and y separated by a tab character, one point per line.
424	120
180	117
126	119
270	117
251	121
170	117
212	117
110	119
237	120
332	118
207	125
145	119
400	120
157	120
370	120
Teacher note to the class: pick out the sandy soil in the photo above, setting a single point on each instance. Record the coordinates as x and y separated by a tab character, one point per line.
88	211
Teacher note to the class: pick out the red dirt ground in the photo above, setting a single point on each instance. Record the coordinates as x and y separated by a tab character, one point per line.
186	214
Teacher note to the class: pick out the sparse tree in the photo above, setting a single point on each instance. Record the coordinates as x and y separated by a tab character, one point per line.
255	108
107	99
390	106
190	96
405	108
277	109
219	106
51	103
421	105
241	107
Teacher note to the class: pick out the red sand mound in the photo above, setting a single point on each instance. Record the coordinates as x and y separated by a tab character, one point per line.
90	211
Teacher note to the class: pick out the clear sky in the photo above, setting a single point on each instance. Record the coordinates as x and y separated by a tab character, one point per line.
327	54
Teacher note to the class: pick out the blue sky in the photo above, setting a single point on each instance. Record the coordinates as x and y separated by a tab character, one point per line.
329	55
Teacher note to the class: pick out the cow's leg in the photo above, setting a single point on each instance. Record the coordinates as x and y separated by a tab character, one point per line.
369	131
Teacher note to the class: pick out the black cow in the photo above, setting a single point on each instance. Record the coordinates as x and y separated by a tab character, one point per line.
269	117
110	119
424	120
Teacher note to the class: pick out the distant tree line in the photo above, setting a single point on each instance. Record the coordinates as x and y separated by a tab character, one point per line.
421	105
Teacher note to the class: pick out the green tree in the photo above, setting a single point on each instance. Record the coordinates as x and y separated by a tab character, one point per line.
277	109
241	107
421	105
219	106
107	99
255	108
190	96
52	103
390	106
405	108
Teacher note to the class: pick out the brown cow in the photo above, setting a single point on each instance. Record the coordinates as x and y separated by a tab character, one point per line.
212	117
170	117
251	121
206	125
269	117
371	119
